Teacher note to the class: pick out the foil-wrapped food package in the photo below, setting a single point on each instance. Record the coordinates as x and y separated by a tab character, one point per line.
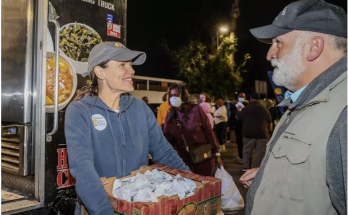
149	186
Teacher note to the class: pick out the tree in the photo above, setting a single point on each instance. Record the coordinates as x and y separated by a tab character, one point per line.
214	73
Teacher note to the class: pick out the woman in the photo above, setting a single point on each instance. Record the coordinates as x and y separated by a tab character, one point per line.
204	97
196	130
221	119
206	106
109	132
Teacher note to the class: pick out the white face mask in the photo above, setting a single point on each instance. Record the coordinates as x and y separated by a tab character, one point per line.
175	101
240	99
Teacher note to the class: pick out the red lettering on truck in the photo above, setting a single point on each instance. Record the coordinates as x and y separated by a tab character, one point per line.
62	158
65	179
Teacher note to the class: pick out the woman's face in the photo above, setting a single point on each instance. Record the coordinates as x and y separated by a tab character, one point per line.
174	93
202	97
118	75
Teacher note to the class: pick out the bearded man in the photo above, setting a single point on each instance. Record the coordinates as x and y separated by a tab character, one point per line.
304	171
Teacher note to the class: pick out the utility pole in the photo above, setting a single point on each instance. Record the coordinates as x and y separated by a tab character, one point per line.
235	12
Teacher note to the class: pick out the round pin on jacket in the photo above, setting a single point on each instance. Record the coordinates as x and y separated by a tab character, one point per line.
99	122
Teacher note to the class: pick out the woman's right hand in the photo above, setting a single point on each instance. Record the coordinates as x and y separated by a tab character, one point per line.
248	177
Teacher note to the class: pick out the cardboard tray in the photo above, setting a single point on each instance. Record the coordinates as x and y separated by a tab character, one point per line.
206	200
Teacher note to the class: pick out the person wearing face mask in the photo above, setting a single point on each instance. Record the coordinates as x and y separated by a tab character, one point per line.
109	133
234	123
194	131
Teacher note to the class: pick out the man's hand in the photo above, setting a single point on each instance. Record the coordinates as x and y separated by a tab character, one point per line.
228	129
219	161
248	177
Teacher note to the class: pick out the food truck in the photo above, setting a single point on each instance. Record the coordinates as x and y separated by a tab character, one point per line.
34	164
44	59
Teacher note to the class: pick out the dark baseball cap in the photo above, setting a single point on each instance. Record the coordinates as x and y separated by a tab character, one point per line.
113	51
305	15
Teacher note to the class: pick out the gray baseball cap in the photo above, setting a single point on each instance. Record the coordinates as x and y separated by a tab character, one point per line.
305	15
113	51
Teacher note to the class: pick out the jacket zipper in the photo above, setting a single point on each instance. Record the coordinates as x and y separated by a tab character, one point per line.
123	140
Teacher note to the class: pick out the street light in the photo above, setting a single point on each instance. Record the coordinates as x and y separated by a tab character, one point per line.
217	36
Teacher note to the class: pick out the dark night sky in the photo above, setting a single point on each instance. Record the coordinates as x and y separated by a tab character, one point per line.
150	22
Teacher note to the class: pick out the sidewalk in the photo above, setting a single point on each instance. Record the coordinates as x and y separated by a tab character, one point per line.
235	170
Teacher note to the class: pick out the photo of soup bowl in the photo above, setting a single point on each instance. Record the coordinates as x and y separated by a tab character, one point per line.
50	108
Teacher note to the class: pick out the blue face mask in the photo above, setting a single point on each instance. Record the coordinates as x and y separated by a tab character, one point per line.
241	99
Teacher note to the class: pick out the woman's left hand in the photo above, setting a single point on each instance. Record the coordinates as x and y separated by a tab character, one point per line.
219	161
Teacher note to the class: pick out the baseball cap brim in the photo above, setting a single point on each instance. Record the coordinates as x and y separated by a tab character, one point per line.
265	34
127	55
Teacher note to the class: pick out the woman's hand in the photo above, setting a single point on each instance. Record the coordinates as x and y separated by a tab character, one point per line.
219	161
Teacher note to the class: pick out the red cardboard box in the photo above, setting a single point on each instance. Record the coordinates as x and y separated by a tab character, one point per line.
206	200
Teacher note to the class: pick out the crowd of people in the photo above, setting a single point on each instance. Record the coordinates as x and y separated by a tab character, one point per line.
252	124
303	168
215	125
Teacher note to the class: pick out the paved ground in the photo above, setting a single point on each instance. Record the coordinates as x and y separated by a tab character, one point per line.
235	170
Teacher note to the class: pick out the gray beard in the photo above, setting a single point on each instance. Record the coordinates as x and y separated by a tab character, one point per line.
290	67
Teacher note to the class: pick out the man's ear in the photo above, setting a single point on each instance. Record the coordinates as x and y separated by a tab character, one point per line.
316	48
99	72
